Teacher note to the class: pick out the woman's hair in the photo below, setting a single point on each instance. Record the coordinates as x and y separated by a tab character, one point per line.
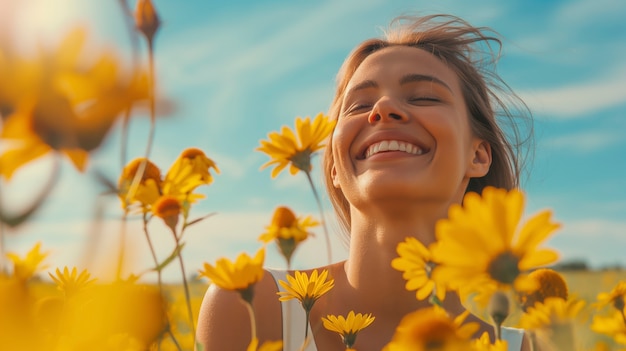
469	52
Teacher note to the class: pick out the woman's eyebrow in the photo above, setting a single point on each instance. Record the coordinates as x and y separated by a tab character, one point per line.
409	78
363	85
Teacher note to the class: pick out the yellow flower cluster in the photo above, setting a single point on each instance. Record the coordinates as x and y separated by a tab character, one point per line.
141	184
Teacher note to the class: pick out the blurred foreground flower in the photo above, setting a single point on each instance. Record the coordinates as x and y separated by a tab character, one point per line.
551	323
484	344
71	283
288	231
286	148
613	326
416	263
55	103
146	190
421	329
615	298
26	268
348	327
481	249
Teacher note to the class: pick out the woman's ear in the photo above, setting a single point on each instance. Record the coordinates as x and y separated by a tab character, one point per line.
333	175
481	160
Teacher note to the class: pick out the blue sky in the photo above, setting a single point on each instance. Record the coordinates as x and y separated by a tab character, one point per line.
237	70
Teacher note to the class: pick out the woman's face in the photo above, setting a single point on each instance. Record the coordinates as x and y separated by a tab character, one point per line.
403	132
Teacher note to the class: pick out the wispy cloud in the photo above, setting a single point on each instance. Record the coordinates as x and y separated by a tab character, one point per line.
586	141
578	100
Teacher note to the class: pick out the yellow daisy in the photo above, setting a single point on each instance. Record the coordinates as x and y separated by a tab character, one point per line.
484	344
239	276
614	298
549	284
267	346
306	289
71	282
147	191
613	326
191	169
348	327
26	268
481	245
416	264
421	329
553	311
287	230
53	103
286	148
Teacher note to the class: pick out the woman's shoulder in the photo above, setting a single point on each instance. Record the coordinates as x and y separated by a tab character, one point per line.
224	319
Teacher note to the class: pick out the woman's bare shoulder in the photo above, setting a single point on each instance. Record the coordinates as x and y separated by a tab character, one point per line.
224	320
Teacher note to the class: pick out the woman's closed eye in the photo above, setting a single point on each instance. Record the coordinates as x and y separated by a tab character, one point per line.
358	108
423	100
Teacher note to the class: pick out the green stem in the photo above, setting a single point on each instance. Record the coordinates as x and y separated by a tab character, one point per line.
2	250
252	319
306	324
120	257
319	205
288	324
159	280
185	286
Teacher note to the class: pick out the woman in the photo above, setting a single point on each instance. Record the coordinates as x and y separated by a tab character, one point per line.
415	131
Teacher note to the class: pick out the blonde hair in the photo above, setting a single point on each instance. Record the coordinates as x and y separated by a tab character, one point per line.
469	52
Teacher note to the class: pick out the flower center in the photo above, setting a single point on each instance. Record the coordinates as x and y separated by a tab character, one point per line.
283	217
302	160
191	153
504	268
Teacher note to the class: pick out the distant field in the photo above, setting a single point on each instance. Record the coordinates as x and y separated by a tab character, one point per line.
583	284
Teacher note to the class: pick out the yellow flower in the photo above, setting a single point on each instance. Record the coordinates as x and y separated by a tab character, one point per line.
306	289
484	344
481	248
147	191
425	327
613	326
285	148
71	283
553	311
267	346
168	208
239	276
549	284
53	103
615	298
287	230
348	327
416	264
24	269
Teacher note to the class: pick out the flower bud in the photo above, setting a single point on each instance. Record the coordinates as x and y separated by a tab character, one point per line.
146	18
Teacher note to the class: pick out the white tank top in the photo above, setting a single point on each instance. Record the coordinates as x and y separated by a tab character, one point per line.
292	311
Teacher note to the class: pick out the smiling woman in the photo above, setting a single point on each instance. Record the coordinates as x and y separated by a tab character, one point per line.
417	127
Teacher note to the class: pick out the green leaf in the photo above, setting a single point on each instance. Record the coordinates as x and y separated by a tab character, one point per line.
170	258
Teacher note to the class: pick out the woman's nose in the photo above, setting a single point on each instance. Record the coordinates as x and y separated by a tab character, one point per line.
386	109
